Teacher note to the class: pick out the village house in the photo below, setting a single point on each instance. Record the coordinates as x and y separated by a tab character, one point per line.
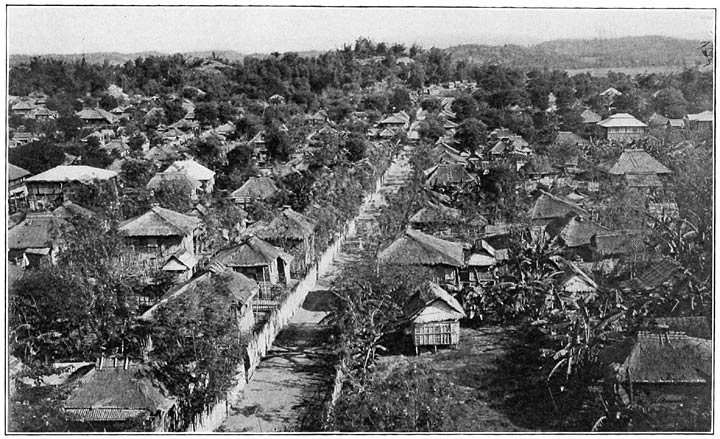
117	147
47	189
227	287
258	260
415	248
481	257
615	245
23	107
436	219
116	392
17	190
572	234
622	127
640	169
37	240
433	316
448	176
195	171
292	232
548	207
97	116
663	372
397	120
159	234
254	189
701	121
182	264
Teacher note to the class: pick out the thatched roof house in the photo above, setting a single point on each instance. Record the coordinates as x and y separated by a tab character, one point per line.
434	316
447	174
256	259
117	391
549	206
287	225
417	248
255	189
159	221
638	162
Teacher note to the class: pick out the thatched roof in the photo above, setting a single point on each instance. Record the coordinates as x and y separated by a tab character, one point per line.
252	252
193	169
425	295
436	214
288	224
447	174
621	120
257	188
417	248
182	260
540	165
552	206
114	393
66	173
16	172
37	230
577	231
638	161
236	288
669	358
96	114
159	221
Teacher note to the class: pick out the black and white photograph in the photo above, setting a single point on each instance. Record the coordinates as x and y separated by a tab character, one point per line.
379	218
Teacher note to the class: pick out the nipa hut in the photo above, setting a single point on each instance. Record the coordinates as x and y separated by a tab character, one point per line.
434	317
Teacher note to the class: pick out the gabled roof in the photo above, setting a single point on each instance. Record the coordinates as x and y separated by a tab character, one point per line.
540	165
551	206
425	295
96	114
393	119
252	252
182	260
705	116
417	248
116	394
193	169
638	161
16	172
288	224
259	188
37	230
612	91
159	221
658	119
115	145
589	116
161	153
65	173
447	174
578	231
621	120
235	287
436	214
669	358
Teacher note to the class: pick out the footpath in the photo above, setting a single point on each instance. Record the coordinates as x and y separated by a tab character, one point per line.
297	371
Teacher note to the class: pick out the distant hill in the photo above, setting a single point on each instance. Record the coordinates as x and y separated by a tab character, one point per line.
122	58
596	53
628	52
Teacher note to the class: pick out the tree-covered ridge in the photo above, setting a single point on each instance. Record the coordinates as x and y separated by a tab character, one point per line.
575	54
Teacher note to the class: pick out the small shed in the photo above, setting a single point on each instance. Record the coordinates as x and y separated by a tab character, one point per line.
434	317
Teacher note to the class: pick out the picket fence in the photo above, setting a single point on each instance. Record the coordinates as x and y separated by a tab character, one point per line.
260	343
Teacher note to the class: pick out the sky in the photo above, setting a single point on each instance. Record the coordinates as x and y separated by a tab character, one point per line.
84	29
